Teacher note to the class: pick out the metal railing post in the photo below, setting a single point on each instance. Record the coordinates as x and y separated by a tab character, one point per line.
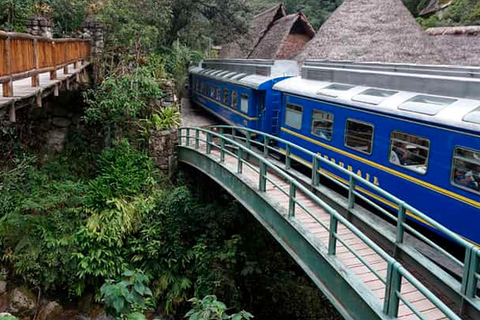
234	133
288	160
292	200
209	143
315	174
222	149
263	177
332	238
187	142
240	162
469	280
249	138
400	223
265	146
393	285
351	194
197	139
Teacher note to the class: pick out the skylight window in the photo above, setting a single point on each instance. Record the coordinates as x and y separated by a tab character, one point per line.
334	90
473	117
428	105
373	96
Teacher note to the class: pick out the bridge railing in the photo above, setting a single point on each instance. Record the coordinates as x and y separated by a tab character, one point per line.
355	185
264	168
25	56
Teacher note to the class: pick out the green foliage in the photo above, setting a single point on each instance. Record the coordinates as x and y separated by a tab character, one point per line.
8	317
126	298
209	308
14	14
167	118
121	98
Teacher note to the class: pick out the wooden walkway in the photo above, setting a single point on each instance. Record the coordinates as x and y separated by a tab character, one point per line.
23	90
277	190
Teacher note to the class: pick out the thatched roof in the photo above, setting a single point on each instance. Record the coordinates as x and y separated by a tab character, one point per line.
461	45
435	6
272	45
373	30
262	22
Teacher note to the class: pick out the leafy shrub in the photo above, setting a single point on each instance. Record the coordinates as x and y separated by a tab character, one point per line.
127	297
167	118
209	308
119	98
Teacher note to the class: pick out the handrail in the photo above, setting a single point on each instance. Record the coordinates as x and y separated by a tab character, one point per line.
395	271
24	56
471	260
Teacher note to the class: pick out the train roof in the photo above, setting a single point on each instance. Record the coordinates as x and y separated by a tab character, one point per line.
447	95
246	72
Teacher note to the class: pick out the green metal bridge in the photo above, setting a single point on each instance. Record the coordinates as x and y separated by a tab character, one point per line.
368	268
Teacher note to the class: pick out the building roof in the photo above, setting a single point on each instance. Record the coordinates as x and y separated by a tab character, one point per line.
373	30
435	6
262	22
270	46
461	45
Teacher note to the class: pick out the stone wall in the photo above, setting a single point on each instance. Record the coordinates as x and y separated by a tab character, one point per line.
41	27
162	147
46	128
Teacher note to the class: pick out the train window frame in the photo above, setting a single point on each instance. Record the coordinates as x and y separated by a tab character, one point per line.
226	96
244	103
406	167
218	94
212	91
364	123
332	121
301	115
453	167
235	99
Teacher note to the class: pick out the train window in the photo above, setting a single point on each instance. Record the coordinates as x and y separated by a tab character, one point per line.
293	116
205	89
466	169
322	124
212	91
334	90
244	103
225	96
410	152
218	93
359	136
373	96
234	99
428	105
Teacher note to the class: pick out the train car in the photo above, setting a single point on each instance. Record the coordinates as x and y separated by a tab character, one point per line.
412	130
239	91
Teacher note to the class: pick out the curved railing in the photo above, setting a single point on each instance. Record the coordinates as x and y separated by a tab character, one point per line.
25	56
470	264
240	147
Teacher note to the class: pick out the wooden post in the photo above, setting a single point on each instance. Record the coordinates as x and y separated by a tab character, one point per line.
67	84
8	86
11	113
35	77
38	99
53	73
77	64
65	69
56	91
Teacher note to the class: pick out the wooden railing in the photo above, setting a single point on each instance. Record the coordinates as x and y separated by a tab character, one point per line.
25	56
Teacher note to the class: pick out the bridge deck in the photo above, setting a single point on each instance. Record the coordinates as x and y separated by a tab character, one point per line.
277	189
22	89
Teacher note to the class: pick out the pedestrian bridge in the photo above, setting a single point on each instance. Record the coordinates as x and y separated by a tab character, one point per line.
366	269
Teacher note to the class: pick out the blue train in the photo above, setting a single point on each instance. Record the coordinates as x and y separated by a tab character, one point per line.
412	130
